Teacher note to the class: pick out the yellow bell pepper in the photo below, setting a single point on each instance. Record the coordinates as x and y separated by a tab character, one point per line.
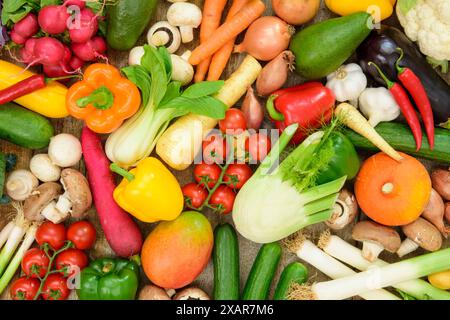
49	101
440	280
150	192
347	7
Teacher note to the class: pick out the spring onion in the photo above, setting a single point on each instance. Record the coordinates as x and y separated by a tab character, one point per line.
4	234
345	252
280	200
377	277
310	253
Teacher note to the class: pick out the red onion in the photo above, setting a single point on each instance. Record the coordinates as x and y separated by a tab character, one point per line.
253	110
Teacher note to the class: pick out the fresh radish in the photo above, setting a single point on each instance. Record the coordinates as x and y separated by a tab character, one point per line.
48	51
27	27
57	71
27	52
77	3
91	50
53	19
17	38
76	63
84	27
121	231
67	54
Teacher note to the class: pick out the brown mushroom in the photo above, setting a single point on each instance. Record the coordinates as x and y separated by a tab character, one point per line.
447	212
78	198
191	294
375	238
345	210
151	292
441	182
420	233
434	212
39	200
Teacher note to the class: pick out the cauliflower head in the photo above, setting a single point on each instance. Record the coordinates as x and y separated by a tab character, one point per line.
428	23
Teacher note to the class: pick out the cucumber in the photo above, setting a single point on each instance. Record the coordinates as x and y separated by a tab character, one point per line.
24	128
323	47
226	263
263	270
127	19
399	136
294	272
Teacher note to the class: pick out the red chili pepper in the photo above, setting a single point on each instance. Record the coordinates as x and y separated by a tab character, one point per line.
22	88
414	85
402	99
310	105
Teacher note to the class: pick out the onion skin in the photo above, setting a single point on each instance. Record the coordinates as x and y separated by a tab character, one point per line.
275	74
253	110
296	12
266	38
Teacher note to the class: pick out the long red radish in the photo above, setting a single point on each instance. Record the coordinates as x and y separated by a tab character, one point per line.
212	14
220	58
121	231
238	23
353	119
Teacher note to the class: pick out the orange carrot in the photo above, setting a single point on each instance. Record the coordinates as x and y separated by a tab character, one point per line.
252	11
212	14
220	58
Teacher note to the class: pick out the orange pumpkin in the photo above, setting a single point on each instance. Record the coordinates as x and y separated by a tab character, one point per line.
390	192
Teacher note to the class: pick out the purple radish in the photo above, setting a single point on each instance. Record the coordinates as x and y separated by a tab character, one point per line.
90	50
53	19
83	27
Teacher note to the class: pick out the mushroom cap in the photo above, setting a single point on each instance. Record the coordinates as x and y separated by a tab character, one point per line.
151	292
184	14
425	234
345	210
374	232
77	187
39	199
174	40
191	294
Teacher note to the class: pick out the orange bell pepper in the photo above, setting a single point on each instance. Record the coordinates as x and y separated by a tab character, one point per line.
103	99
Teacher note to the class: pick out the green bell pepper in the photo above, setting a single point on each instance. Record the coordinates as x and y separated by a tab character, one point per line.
109	279
345	160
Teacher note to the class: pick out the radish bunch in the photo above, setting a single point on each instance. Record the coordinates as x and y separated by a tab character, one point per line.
81	25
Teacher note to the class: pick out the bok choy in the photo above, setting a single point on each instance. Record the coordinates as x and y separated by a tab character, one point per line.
279	200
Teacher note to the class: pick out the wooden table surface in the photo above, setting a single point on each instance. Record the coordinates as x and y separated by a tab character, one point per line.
248	250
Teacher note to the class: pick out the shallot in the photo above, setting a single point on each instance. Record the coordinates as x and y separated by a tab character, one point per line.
274	75
252	109
434	212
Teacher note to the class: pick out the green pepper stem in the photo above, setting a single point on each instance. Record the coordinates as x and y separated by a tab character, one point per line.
136	259
114	167
389	83
400	70
101	98
270	106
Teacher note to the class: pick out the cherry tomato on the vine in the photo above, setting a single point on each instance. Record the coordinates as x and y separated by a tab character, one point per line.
35	263
82	234
258	146
214	149
234	122
74	260
237	175
223	199
24	288
194	194
207	173
55	287
53	234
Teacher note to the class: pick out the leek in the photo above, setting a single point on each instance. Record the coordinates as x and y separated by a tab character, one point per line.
345	252
279	200
377	277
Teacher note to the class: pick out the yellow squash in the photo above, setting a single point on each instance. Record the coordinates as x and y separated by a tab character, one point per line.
49	101
380	9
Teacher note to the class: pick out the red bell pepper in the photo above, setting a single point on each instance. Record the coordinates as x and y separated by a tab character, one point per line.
310	105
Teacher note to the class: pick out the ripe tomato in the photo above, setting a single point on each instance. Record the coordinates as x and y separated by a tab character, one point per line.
234	122
258	146
237	175
223	199
55	288
82	234
53	234
35	263
194	195
24	288
209	173
215	149
74	259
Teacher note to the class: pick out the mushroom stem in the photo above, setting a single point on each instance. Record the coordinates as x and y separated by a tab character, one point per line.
187	34
406	247
160	38
371	250
64	204
51	213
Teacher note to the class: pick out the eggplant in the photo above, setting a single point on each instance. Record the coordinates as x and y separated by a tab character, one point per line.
381	48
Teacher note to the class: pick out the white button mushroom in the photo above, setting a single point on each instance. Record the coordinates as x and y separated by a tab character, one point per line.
135	56
164	34
43	168
182	70
345	210
187	17
20	184
64	150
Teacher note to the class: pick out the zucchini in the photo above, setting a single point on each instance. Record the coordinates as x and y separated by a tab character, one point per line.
226	263
262	273
399	136
294	272
24	127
